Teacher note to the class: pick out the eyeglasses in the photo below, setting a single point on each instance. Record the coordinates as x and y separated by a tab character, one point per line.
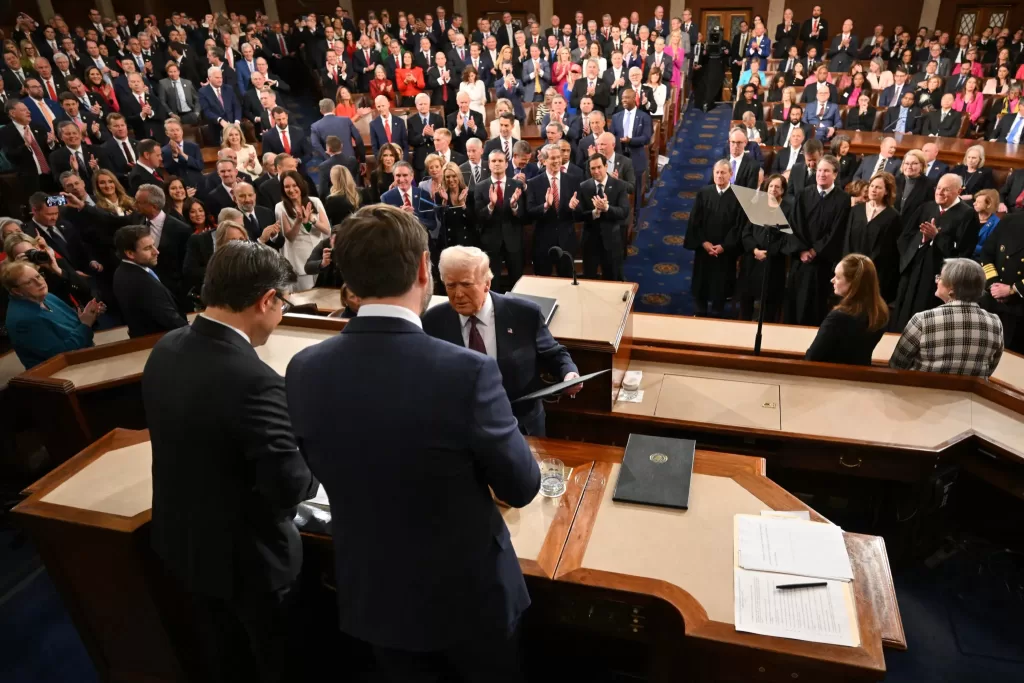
938	279
285	304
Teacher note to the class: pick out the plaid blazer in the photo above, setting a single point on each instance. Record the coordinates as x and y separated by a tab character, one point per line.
956	338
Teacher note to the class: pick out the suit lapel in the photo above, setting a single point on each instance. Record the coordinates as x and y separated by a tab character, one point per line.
503	333
452	327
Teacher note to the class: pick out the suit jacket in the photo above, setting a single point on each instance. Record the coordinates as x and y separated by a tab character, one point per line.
948	128
843	338
139	176
442	517
340	159
213	111
419	200
420	145
892	116
619	164
37	113
819	38
867	167
781	160
782	130
640	137
495	143
66	240
841	59
244	467
151	128
60	161
148	307
530	93
299	143
11	83
168	94
341	126
399	133
172	246
503	226
112	158
602	95
748	171
556	225
198	251
433	80
1002	131
467	173
1011	189
832	119
525	349
608	225
191	170
461	136
889	98
359	63
809	96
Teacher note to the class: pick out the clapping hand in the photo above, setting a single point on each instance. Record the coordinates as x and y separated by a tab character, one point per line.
91	311
428	129
760	254
929	230
190	192
269	232
574	201
515	197
549	199
492	197
463	195
325	259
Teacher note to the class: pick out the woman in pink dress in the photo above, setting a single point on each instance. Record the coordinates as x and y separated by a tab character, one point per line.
970	100
675	50
560	69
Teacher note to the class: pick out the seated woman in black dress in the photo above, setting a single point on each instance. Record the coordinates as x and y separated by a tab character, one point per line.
748	102
798	76
854	327
975	174
861	116
840	149
778	84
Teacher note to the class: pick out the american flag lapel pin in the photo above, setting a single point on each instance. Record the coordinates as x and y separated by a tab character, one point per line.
510	330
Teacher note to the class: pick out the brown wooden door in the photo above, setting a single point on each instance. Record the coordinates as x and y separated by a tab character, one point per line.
972	21
728	19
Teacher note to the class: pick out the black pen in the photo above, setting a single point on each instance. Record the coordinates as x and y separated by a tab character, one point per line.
787	586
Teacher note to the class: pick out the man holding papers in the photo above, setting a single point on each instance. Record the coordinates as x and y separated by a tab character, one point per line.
508	329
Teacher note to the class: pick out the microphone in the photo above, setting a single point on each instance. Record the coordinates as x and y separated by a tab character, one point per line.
909	121
558	254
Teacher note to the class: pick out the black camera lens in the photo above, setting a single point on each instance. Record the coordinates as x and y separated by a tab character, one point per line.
38	257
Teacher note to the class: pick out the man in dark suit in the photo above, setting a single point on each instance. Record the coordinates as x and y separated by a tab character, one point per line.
218	104
787	157
548	196
1011	194
182	158
146	170
336	157
170	237
894	93
442	525
475	169
60	235
27	144
904	117
388	128
602	203
814	30
259	221
337	126
145	114
15	76
73	155
744	170
421	127
944	122
238	569
591	86
465	124
220	194
885	160
283	138
842	52
442	84
409	197
504	143
508	329
364	61
1009	129
89	124
823	116
499	211
147	305
632	127
252	105
179	95
118	154
934	169
802	175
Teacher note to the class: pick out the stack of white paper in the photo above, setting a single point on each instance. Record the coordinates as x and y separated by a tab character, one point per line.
789	546
773	551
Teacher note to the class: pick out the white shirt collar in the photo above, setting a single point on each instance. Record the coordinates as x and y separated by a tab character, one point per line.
484	316
389	311
158	220
151	170
243	335
827	191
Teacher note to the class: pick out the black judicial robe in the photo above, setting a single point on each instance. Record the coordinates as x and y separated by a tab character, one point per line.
876	239
751	270
717	219
922	192
820	225
921	262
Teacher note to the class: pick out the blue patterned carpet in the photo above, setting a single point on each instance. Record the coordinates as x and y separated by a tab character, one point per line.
657	259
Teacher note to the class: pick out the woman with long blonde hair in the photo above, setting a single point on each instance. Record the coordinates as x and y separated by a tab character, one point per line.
248	159
344	197
453	211
854	327
109	193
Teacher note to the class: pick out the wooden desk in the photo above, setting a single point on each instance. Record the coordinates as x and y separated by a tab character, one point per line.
11	367
84	394
951	150
89	520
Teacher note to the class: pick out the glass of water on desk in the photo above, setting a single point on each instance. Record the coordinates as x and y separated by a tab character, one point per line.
552	477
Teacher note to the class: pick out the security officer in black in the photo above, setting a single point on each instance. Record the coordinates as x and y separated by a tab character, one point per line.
1002	257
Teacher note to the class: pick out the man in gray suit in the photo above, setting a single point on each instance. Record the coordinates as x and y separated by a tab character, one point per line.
339	126
179	94
536	76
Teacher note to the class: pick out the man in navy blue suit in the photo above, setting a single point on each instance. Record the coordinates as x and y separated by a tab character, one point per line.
547	203
37	100
632	127
411	198
427	573
285	139
218	103
510	330
385	122
340	126
181	157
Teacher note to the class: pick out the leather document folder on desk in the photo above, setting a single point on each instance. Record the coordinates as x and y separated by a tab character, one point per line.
656	471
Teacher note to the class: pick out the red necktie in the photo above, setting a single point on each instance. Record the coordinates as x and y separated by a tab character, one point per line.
334	75
501	194
280	41
49	88
554	192
476	341
1019	203
219	98
387	128
33	144
405	200
285	143
444	89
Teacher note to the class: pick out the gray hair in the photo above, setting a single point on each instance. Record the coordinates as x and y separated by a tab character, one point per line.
474	142
964	278
212	70
229	213
952	179
723	162
739	129
465	258
154	195
326	106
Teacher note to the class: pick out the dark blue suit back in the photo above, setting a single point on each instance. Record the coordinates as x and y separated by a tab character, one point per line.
406	432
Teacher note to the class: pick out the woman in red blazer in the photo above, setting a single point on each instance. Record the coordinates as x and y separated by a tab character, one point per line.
409	80
380	85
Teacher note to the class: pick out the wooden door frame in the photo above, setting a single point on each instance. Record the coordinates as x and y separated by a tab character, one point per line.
747	12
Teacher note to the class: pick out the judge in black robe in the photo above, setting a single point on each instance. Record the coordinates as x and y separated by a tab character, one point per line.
921	258
716	219
819	230
909	199
876	239
752	270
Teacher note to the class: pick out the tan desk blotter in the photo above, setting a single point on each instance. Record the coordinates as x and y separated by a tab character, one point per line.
118	482
591	311
691	549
